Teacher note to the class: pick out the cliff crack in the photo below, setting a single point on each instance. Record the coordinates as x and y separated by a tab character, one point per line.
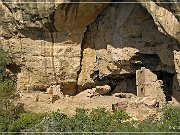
52	55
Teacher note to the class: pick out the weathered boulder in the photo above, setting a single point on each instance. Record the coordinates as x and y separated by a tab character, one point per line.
149	101
120	105
124	95
103	89
89	93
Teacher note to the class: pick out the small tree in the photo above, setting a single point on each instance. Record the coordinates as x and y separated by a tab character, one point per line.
4	60
7	92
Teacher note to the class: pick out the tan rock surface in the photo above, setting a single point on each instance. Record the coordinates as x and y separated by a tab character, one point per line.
46	56
166	16
80	46
103	89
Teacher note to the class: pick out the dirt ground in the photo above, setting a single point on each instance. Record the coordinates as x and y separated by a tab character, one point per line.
40	102
66	104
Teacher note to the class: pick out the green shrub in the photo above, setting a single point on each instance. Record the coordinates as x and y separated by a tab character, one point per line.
4	60
7	91
169	122
58	122
6	117
121	122
99	120
149	125
171	118
25	121
96	120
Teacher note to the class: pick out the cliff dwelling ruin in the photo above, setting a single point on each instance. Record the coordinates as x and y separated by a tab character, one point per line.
148	77
64	49
143	83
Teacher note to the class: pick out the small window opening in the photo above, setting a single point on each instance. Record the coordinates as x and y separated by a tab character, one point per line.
142	90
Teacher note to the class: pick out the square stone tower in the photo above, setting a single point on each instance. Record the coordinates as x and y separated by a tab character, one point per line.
148	85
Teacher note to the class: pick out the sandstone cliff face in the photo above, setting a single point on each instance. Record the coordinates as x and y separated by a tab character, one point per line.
166	16
45	41
83	45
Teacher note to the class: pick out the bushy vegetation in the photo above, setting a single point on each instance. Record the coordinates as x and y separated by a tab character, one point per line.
169	122
97	120
100	120
25	120
4	60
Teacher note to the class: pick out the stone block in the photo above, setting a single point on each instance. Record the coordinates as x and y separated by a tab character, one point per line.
103	89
